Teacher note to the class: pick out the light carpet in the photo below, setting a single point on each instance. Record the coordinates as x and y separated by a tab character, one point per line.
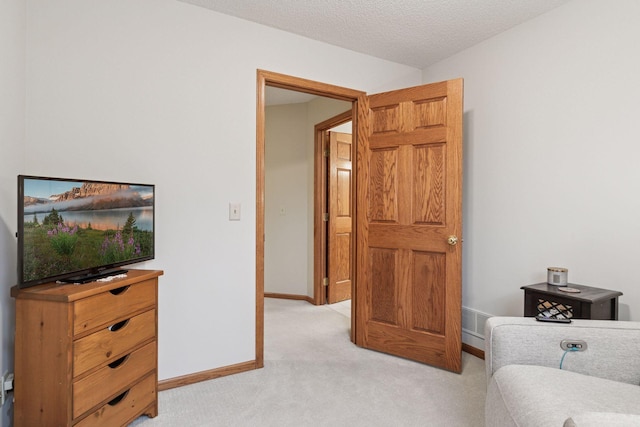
315	376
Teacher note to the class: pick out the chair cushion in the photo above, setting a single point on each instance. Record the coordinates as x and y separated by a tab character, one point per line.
600	419
536	396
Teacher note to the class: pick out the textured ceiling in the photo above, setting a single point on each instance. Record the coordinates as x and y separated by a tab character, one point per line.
412	32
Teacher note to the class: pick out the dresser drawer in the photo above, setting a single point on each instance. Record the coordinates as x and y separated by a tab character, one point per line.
112	378
103	309
112	342
126	407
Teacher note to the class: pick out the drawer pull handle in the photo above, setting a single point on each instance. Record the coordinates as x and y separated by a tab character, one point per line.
119	290
117	326
118	399
118	362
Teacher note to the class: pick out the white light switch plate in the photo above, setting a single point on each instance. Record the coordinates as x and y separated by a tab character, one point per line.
234	211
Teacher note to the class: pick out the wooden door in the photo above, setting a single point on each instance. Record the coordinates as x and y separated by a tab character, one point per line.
409	222
340	203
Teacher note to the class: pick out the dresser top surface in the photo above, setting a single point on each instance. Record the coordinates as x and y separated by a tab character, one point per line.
64	292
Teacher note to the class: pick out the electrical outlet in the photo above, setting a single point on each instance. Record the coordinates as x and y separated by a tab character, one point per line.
3	394
6	385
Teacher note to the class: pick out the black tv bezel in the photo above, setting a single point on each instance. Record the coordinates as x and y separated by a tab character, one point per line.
84	275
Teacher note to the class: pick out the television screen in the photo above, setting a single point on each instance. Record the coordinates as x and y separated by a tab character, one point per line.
77	230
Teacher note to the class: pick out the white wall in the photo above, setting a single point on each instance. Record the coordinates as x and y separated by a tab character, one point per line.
164	92
286	218
289	193
320	109
552	174
12	123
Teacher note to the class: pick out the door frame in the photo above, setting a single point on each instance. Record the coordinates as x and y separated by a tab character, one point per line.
283	81
321	183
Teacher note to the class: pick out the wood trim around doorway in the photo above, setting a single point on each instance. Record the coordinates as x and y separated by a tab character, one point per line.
319	200
282	81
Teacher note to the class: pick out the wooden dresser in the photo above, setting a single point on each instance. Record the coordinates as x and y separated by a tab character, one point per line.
87	354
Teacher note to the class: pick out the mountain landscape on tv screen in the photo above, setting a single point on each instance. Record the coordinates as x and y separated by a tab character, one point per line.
91	196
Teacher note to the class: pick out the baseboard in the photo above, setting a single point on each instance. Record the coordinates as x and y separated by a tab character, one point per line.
289	296
206	375
473	351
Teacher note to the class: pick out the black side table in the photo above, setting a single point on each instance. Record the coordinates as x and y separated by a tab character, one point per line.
590	303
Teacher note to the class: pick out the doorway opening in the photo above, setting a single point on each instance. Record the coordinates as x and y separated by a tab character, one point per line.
266	78
334	239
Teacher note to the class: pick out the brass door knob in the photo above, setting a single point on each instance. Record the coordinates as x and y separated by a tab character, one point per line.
452	240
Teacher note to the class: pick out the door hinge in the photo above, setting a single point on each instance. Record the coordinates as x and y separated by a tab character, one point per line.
326	152
325	216
325	281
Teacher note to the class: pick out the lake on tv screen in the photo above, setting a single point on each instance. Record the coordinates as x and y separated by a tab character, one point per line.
107	219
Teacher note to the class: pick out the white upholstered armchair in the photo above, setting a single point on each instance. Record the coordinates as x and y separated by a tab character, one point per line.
533	381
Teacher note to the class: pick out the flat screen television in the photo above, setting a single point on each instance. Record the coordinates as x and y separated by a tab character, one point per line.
77	231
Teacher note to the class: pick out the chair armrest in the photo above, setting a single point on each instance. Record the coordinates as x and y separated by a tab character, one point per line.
612	346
